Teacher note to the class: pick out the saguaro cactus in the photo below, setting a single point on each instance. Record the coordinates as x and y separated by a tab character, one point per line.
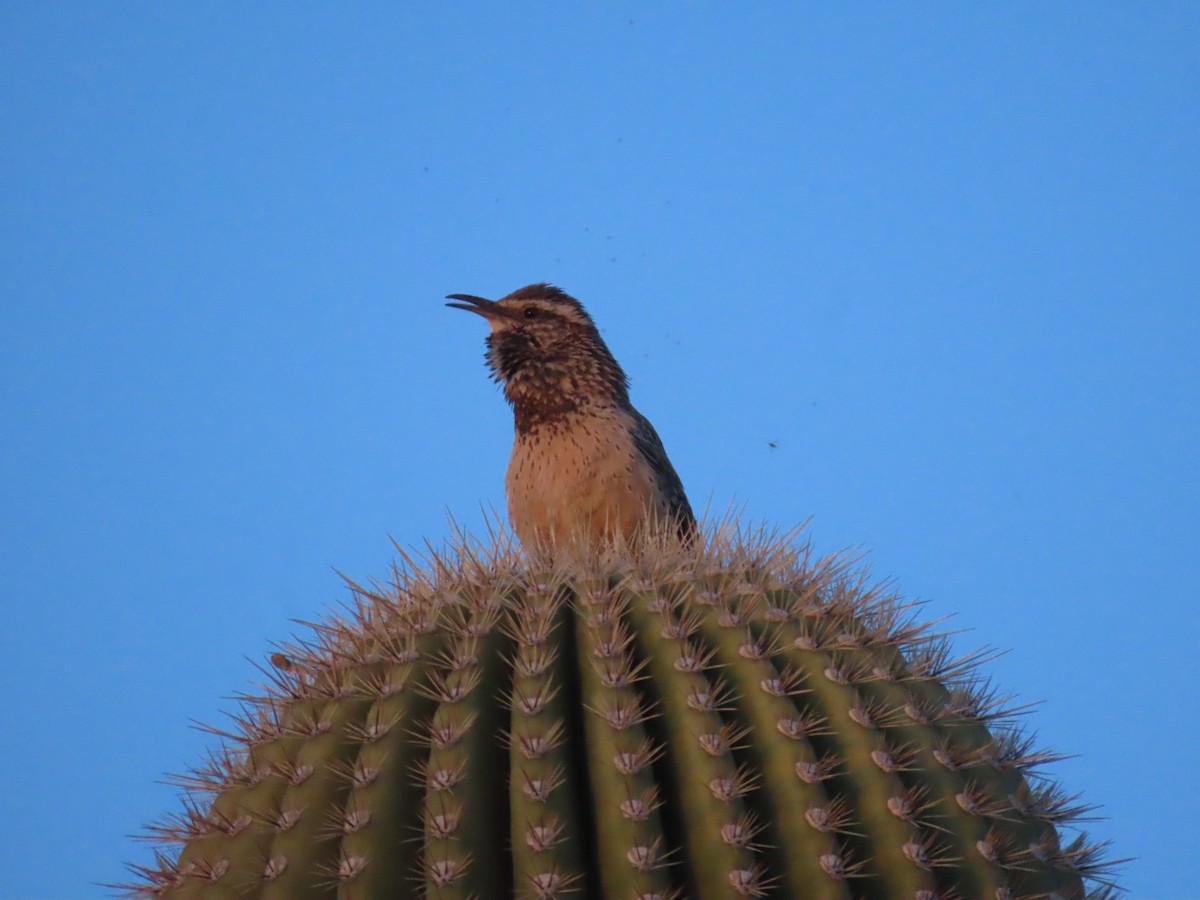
732	720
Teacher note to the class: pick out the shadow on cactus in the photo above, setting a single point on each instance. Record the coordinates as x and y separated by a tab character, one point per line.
731	720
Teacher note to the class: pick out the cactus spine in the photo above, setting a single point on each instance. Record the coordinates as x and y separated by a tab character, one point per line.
721	722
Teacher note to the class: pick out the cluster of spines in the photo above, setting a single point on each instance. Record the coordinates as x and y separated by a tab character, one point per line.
728	722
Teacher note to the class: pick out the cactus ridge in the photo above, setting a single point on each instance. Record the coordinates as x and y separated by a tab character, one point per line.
729	720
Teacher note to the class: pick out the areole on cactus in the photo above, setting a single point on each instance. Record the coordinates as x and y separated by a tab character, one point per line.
732	719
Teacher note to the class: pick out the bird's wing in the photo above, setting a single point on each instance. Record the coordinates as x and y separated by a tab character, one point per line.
650	446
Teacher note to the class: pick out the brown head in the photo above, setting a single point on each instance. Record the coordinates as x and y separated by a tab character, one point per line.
547	353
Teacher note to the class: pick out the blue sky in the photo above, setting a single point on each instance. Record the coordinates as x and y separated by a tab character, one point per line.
924	273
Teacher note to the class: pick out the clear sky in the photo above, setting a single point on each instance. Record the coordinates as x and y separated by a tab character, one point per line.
925	273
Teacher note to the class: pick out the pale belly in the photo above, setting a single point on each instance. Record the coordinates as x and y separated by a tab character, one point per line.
582	482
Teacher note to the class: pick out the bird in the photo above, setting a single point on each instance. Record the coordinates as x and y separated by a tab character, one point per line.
586	467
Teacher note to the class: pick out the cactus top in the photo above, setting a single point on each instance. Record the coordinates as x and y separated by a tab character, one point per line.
722	721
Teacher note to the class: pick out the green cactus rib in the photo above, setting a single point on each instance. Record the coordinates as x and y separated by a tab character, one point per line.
631	845
704	781
721	721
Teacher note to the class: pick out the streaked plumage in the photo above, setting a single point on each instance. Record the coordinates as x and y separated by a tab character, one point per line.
585	464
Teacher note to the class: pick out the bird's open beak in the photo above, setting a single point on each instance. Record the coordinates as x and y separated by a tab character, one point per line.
489	309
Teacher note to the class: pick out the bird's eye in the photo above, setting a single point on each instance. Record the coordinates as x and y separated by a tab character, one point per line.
531	312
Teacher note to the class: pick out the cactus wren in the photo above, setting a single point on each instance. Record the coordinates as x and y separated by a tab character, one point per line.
585	464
